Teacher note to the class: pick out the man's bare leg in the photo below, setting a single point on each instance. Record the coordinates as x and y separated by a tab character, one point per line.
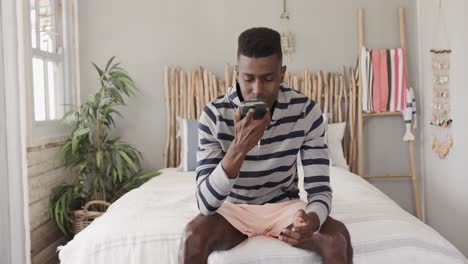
333	243
205	234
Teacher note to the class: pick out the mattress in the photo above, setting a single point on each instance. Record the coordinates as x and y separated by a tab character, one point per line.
145	226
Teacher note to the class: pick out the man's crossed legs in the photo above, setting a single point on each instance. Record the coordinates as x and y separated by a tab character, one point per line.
205	234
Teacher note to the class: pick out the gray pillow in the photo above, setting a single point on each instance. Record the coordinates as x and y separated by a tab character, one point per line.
189	143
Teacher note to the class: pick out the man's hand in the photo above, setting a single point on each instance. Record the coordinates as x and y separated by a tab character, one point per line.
300	233
248	132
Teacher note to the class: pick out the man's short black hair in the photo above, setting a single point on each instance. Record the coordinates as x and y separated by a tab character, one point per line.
259	42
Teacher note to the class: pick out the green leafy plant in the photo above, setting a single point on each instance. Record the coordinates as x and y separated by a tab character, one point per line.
106	167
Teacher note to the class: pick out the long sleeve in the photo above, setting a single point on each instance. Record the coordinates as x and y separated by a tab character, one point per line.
213	185
315	161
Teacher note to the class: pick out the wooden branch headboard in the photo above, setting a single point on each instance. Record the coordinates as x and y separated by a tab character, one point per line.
186	93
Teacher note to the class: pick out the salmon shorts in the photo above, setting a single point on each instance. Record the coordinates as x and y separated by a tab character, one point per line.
268	219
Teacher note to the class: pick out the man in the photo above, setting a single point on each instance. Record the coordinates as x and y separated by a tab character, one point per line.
247	180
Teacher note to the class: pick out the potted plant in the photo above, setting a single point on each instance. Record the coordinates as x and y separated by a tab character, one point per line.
106	167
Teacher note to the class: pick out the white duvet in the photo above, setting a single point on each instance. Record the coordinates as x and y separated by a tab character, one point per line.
145	225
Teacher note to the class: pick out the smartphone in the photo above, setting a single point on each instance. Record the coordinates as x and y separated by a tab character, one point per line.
259	106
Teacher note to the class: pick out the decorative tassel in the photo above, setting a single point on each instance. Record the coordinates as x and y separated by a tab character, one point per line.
442	149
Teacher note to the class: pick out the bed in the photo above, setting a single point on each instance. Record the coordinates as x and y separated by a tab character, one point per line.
145	226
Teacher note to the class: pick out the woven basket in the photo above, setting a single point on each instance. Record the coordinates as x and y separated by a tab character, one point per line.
82	218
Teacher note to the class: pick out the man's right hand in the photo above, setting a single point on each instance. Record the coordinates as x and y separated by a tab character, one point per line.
248	132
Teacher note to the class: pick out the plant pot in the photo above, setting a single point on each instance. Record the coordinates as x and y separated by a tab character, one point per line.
82	218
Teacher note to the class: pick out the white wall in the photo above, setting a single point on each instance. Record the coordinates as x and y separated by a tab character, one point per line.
146	34
447	180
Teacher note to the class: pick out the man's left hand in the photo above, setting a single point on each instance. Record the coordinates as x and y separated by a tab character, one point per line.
300	232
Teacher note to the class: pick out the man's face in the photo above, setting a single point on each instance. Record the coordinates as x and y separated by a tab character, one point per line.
260	78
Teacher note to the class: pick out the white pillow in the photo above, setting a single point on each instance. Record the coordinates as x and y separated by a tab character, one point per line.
189	143
334	139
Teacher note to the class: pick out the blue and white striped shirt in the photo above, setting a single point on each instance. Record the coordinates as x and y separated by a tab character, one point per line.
269	171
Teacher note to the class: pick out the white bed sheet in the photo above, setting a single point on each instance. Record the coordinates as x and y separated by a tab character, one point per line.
145	226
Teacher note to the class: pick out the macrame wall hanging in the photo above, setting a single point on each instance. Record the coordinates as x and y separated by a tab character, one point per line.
287	38
441	119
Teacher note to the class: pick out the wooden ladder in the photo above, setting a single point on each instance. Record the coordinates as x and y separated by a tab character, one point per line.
362	117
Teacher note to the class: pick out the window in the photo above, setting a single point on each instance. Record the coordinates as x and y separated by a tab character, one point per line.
52	92
51	65
47	59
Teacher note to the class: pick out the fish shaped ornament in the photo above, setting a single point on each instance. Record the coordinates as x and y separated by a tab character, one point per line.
409	115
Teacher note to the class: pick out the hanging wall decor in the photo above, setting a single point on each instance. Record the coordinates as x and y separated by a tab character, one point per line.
440	84
287	37
441	119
